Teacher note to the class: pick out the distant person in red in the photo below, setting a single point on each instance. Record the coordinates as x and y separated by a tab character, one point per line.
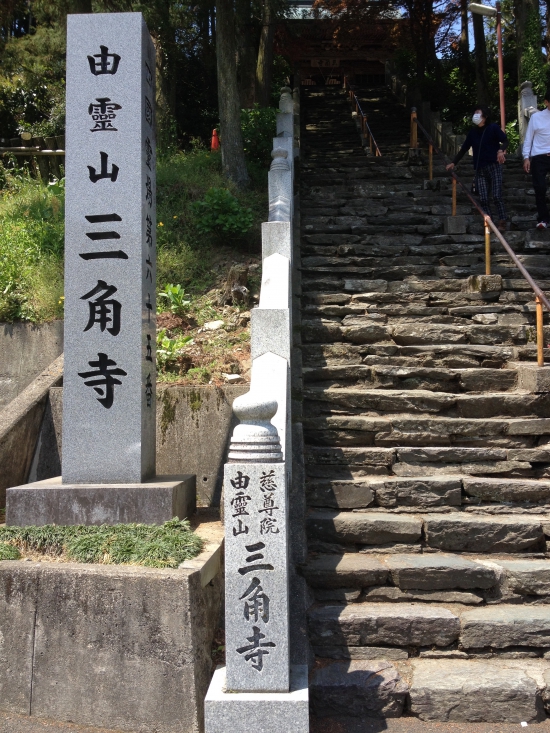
536	158
489	143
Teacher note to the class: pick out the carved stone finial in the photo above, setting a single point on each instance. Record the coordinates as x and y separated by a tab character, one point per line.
526	87
286	102
280	162
255	439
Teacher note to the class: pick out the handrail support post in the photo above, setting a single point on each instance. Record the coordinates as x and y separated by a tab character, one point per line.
454	196
414	129
540	332
431	162
487	248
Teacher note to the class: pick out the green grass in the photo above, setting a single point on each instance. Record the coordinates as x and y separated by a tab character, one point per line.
32	232
153	546
31	250
9	552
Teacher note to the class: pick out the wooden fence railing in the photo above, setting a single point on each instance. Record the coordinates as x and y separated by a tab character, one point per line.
45	156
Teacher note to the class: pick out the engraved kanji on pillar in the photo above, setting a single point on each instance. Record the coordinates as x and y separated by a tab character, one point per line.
110	251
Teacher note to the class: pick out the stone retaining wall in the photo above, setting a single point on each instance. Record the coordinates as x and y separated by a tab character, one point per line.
26	349
115	646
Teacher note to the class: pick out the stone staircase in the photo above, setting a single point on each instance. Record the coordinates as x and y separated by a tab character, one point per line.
427	430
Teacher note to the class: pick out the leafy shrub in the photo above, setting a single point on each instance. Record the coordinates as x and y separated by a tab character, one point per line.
221	212
512	134
259	127
170	350
154	546
175	295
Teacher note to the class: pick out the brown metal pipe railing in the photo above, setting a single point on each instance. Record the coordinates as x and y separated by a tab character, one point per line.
365	129
540	297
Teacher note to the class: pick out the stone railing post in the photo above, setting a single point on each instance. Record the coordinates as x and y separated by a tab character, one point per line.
280	186
259	689
527	105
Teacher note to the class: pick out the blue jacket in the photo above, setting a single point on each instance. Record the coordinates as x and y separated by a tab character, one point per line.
486	142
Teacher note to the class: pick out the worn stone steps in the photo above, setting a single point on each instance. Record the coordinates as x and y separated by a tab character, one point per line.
422	330
428	578
455	691
389	377
423	461
416	625
425	492
423	402
458	531
427	447
449	355
406	430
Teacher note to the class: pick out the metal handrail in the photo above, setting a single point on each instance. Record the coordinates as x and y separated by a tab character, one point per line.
540	297
365	128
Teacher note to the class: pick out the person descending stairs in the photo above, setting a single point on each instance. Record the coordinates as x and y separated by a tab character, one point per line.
427	431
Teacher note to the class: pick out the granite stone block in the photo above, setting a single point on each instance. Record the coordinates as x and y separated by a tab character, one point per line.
52	502
110	270
466	691
256	578
270	332
277	239
265	712
285	123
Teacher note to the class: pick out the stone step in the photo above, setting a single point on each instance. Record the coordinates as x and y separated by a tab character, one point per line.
451	691
448	532
439	380
407	430
451	356
418	461
407	572
412	625
373	328
412	313
427	578
382	624
423	402
475	691
424	492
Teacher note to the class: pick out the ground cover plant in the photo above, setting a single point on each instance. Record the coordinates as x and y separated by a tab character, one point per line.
31	248
153	546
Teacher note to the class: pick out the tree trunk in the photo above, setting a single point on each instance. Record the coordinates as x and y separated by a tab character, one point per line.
247	54
482	81
233	162
464	36
264	67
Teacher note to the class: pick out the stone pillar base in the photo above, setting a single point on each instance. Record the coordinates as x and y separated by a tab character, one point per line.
241	712
52	502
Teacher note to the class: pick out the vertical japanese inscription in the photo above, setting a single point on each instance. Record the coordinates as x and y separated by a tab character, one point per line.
256	578
109	380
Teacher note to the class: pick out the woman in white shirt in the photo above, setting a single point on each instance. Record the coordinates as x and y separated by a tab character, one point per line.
536	158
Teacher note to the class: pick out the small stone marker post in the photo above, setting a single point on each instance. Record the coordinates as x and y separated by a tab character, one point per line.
109	399
110	253
256	566
258	689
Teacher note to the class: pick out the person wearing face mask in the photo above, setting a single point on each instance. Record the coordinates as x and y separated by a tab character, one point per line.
536	158
489	143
